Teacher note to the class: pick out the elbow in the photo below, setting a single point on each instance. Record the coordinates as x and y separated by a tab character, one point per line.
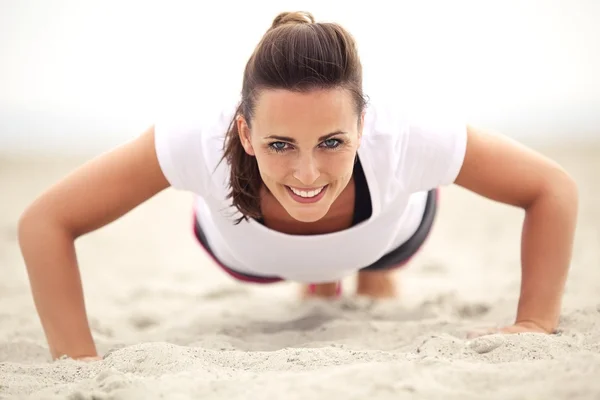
26	227
564	189
570	188
32	226
38	224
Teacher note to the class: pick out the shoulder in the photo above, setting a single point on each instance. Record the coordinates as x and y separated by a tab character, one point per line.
417	149
189	141
384	127
407	129
390	118
383	119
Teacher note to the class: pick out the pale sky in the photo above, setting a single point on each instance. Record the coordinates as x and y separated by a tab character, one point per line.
86	75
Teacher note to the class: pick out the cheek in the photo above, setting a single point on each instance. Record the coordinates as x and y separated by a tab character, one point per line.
338	166
272	168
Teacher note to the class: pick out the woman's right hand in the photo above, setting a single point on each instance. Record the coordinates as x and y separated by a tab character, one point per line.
89	359
94	195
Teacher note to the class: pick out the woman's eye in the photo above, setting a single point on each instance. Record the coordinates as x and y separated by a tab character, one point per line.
331	143
278	146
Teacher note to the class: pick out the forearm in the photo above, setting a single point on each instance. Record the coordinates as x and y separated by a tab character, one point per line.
547	242
49	254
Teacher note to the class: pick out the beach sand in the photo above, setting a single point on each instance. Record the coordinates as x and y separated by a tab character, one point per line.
172	325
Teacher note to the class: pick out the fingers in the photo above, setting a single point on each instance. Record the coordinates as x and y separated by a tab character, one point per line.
517	328
89	359
481	332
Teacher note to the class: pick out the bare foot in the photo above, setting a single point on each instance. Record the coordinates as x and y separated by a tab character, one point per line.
321	290
377	284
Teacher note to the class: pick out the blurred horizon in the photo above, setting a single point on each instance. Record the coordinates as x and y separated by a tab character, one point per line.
78	78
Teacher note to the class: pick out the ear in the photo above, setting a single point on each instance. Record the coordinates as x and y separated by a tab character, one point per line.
244	133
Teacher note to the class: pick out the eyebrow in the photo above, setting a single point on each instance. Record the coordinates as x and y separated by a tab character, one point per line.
292	140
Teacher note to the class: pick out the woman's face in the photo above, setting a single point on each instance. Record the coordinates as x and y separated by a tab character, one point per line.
305	146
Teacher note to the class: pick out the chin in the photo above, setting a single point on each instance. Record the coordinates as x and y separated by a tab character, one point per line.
302	213
307	216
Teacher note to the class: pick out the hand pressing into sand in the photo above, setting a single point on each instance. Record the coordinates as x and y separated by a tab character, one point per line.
89	359
518	327
84	358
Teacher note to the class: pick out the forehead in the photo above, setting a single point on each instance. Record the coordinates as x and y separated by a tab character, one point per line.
287	112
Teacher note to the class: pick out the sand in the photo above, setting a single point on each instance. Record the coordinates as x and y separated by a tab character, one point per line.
172	325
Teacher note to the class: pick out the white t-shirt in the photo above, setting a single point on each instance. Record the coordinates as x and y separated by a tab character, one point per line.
401	161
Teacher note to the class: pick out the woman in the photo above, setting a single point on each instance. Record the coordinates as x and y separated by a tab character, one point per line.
302	180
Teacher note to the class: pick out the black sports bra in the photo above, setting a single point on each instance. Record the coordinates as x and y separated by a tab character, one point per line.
362	201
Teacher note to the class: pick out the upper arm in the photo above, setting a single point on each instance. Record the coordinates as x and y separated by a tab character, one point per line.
504	170
102	189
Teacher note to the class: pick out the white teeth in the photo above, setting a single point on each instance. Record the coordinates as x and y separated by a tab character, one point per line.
304	193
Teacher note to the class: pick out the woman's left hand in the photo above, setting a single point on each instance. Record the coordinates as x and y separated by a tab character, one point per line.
518	327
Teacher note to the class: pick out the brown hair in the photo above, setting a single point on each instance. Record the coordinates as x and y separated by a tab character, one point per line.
296	54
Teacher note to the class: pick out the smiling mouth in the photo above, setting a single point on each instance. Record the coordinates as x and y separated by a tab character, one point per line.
307	196
307	193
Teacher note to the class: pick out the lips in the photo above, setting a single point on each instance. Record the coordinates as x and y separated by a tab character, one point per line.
307	193
307	196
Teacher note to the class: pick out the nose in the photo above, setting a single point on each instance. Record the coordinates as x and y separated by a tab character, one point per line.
306	170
